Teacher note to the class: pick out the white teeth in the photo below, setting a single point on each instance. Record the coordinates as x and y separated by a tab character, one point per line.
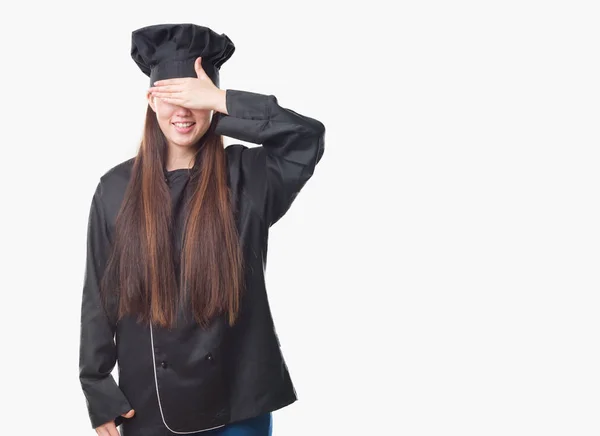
183	124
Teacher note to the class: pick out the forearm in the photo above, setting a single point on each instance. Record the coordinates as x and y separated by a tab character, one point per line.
258	118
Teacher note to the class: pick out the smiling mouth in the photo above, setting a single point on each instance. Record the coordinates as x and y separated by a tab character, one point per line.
184	125
184	128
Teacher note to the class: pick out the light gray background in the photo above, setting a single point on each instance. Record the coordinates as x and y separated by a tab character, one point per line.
437	276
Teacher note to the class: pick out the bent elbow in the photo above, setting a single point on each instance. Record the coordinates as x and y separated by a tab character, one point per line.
317	128
320	138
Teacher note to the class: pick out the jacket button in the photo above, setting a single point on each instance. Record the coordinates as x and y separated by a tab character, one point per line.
209	357
163	364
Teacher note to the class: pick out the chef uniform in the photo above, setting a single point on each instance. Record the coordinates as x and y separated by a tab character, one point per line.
189	380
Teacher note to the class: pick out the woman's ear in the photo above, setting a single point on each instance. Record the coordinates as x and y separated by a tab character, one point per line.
151	100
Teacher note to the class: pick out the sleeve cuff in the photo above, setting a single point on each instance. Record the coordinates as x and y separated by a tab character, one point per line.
247	105
106	402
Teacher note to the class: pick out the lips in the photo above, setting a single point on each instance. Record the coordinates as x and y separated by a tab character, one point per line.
184	126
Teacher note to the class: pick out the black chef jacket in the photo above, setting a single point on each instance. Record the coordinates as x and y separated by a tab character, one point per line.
188	380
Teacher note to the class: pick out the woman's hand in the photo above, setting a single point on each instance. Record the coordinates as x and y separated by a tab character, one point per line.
189	92
110	429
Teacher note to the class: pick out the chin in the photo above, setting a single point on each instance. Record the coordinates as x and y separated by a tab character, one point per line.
184	142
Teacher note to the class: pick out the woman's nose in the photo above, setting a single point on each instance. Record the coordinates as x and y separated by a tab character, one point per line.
182	110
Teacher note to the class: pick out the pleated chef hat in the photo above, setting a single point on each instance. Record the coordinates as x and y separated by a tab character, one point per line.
167	51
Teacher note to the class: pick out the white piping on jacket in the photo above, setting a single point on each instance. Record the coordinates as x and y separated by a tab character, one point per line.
158	394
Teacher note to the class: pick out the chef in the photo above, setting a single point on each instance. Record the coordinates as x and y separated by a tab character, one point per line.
174	287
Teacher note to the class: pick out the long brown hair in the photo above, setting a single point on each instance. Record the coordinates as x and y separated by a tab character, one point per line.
140	272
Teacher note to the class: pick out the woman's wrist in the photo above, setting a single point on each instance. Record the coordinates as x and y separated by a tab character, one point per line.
220	104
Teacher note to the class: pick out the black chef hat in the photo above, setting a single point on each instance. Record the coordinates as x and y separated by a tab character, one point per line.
167	51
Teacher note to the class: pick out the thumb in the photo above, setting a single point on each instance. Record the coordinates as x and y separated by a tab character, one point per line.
198	67
129	414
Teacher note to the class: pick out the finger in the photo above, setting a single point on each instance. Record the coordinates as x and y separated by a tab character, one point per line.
176	81
199	70
166	88
177	101
170	95
129	414
102	430
112	429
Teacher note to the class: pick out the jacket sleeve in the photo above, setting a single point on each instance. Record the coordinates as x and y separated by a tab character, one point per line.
97	352
291	147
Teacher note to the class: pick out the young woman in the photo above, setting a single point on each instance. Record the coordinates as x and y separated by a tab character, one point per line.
174	286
